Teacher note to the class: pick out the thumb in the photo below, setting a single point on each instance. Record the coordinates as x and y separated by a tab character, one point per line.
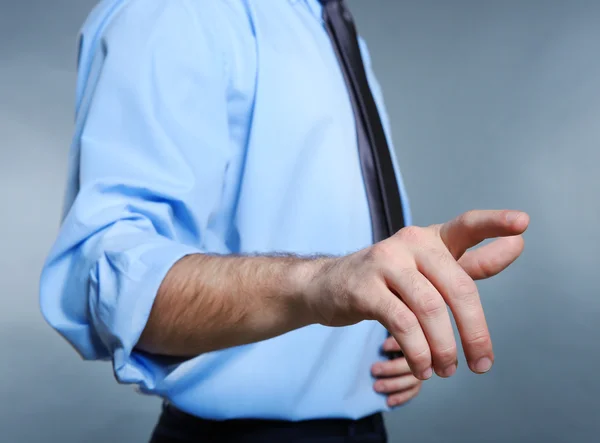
471	228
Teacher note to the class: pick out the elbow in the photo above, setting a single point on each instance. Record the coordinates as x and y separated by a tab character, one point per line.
82	285
98	287
63	305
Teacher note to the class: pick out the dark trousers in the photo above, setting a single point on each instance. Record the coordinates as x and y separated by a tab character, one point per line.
175	426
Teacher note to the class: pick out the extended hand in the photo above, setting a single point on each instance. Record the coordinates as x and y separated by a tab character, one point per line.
406	282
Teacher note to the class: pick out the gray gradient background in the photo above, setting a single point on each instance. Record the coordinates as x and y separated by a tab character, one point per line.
493	104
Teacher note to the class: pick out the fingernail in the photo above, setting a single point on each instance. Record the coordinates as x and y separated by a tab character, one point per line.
427	373
377	370
483	365
379	387
512	216
448	371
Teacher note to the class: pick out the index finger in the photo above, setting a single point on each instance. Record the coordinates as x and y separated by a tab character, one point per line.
471	228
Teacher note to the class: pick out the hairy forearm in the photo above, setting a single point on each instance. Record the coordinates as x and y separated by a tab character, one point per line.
207	303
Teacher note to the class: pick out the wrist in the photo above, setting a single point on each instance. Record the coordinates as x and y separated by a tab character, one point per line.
306	280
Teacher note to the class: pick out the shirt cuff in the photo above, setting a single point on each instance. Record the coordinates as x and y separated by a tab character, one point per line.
128	315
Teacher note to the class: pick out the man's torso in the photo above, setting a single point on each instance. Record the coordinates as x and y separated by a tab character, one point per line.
292	184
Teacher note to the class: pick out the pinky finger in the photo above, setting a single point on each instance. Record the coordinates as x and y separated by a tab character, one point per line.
401	398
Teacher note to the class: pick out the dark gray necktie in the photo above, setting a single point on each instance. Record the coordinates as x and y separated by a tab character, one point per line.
378	172
383	194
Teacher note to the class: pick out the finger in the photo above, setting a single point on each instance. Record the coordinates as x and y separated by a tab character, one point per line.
391	345
471	228
493	258
461	295
404	326
391	368
429	306
396	384
402	397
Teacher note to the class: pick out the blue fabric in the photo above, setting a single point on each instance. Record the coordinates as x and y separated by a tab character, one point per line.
221	127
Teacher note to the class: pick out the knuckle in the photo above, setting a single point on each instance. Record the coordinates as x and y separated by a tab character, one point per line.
466	289
431	306
376	306
412	234
442	256
380	253
446	355
421	359
413	278
487	267
403	321
479	338
466	217
411	275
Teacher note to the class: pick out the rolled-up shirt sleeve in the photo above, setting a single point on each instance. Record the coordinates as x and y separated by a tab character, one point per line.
147	167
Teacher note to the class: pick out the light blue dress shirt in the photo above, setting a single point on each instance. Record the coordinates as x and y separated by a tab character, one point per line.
221	127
